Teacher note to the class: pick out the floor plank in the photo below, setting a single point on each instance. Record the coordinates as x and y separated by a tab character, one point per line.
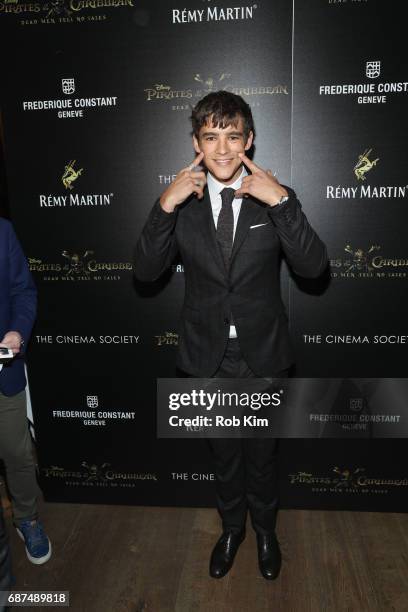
138	559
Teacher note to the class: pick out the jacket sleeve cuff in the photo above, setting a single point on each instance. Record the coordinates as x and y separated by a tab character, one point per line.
286	212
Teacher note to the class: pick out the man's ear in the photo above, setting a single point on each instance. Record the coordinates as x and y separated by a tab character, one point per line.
249	141
196	145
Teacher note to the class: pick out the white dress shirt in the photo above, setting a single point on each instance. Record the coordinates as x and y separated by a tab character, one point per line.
214	190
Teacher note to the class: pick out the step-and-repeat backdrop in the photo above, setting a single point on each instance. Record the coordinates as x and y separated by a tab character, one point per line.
96	97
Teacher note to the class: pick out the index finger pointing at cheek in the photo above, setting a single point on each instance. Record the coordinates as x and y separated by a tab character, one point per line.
196	161
249	164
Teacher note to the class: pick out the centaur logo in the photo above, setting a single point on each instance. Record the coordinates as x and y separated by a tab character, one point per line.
364	165
213	13
70	174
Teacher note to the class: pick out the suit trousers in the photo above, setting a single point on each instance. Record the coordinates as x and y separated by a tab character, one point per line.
246	468
16	452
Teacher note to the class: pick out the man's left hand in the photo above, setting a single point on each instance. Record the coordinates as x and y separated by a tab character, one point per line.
13	341
261	184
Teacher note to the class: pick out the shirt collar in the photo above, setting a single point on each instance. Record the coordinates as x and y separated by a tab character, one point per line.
215	187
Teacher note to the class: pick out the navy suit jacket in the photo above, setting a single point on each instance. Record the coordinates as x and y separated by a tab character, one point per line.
18	304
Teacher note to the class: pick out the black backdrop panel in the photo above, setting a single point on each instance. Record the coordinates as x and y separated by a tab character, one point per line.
81	186
349	164
82	176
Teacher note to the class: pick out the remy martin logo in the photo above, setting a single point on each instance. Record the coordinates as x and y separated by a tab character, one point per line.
66	200
96	475
368	263
213	13
177	268
70	175
75	266
163	92
167	339
364	165
346	480
363	191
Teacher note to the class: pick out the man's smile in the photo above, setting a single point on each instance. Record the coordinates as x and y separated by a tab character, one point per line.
224	162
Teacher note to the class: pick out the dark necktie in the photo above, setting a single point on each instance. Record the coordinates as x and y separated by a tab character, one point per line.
225	225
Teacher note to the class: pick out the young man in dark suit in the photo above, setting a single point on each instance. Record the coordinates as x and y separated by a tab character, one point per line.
230	223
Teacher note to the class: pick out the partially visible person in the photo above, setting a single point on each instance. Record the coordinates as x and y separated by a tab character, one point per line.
5	564
18	302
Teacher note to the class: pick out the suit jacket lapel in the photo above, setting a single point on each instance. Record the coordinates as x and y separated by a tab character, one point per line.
248	214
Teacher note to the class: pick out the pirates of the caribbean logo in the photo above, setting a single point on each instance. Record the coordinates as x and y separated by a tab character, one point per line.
360	259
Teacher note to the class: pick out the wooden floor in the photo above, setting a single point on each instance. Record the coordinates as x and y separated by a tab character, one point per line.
121	558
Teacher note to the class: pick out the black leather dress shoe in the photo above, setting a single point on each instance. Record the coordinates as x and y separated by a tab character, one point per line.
269	556
222	557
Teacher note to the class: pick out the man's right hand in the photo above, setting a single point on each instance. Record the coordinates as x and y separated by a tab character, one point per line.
12	340
186	182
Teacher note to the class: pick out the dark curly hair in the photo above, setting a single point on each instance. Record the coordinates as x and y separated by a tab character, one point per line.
223	109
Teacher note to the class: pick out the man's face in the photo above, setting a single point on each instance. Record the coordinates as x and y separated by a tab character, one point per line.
221	148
